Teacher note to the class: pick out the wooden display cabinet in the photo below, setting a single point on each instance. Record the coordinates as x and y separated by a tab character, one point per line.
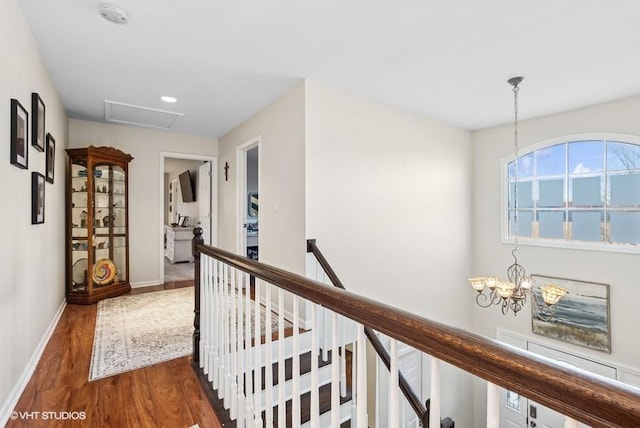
97	224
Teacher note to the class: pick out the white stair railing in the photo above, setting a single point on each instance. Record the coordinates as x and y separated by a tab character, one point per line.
235	363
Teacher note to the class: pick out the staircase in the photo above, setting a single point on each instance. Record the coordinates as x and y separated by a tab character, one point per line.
325	364
249	380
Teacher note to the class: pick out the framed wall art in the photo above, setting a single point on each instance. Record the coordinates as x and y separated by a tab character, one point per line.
51	157
583	316
19	135
37	198
37	122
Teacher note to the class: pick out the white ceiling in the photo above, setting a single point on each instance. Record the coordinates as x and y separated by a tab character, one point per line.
448	60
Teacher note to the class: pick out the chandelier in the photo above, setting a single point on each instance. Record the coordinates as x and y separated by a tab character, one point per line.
511	294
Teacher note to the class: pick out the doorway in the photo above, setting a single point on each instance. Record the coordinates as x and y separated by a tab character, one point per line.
188	200
248	194
519	412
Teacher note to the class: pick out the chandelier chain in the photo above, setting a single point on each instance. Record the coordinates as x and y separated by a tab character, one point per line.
516	89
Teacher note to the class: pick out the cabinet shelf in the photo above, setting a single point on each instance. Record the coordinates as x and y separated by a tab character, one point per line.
97	218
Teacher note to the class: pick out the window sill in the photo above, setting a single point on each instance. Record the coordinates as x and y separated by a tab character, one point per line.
569	245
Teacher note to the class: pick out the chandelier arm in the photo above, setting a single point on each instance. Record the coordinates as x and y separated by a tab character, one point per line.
542	310
486	300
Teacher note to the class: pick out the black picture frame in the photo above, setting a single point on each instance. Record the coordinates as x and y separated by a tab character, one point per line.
37	122
51	158
37	198
19	135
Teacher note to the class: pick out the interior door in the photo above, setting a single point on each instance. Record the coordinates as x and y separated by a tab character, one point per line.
204	204
543	417
513	410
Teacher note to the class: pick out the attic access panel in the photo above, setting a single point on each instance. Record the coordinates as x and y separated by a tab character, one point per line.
137	115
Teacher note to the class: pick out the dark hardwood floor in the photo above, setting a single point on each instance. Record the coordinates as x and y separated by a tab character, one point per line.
163	395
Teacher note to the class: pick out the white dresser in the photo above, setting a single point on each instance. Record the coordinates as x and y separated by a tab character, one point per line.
178	244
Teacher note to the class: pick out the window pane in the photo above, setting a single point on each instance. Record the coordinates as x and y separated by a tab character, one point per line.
586	225
586	156
525	167
625	227
551	224
551	193
625	190
525	194
586	192
513	400
525	222
551	161
622	156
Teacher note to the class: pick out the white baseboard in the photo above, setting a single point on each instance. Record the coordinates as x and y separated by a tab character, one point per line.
145	284
18	389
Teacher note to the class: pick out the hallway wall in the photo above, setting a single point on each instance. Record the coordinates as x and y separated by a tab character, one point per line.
31	256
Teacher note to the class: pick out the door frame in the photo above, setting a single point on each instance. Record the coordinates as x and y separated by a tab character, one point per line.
214	199
241	191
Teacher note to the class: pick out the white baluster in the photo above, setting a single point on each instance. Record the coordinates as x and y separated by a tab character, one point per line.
257	371
268	367
204	313
493	406
247	349
315	384
354	374
233	348
324	333
343	358
394	396
227	337
281	358
239	350
335	372
361	364
214	325
570	423
434	408
295	367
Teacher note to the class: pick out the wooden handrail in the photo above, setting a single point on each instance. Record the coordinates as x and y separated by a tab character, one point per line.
415	403
591	399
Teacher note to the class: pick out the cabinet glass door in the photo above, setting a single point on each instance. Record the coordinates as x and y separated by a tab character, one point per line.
109	240
79	227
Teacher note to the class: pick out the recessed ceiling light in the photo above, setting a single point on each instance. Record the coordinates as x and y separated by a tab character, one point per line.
113	13
168	99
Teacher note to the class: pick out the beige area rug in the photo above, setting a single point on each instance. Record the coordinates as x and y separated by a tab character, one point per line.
136	331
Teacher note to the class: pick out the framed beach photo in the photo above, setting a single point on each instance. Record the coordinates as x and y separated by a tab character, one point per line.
583	316
37	122
51	157
37	198
19	135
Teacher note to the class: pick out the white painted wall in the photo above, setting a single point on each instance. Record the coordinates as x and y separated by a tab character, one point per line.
388	198
490	256
31	256
281	129
145	145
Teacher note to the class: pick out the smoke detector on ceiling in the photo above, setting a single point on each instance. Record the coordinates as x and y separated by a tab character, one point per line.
113	13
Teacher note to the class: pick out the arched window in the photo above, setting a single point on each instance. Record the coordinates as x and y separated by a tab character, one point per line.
580	193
